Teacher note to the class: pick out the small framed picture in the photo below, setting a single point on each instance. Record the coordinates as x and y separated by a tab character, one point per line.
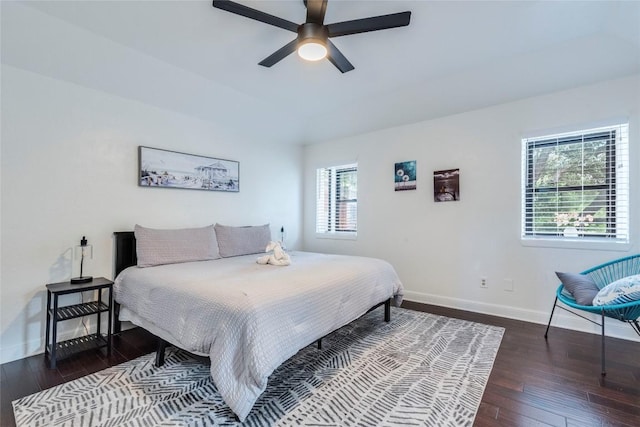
171	169
405	176
446	185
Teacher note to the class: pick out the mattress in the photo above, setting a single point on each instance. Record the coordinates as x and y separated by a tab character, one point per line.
249	318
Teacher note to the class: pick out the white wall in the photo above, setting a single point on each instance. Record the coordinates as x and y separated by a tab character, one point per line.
71	126
69	164
441	250
69	168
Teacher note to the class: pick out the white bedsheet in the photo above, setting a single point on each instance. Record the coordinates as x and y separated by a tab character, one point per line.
249	318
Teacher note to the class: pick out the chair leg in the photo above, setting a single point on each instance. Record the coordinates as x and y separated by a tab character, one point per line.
635	325
551	317
602	356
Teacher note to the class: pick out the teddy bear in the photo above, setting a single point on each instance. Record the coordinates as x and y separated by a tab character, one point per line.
277	257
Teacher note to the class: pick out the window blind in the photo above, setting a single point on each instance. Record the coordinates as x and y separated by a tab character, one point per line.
576	185
337	199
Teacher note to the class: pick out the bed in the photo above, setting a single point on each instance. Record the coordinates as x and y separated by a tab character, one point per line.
248	318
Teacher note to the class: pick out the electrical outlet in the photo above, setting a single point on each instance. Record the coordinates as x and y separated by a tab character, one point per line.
508	285
483	283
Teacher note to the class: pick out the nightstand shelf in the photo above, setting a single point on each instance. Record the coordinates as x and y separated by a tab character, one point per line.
58	350
75	345
80	310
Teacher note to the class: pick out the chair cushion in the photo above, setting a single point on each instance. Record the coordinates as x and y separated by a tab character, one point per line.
580	286
621	291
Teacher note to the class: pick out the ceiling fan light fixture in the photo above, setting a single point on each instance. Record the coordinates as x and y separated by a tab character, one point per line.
313	42
312	50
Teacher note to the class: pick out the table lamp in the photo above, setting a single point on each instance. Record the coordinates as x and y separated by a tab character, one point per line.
83	251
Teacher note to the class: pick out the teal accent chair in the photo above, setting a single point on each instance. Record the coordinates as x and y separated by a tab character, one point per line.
602	275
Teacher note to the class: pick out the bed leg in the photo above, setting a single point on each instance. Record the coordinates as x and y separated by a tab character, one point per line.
320	344
387	310
162	345
117	324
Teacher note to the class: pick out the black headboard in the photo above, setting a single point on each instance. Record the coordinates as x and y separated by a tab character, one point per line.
125	256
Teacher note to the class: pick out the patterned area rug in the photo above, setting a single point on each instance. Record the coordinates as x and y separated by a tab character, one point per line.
418	369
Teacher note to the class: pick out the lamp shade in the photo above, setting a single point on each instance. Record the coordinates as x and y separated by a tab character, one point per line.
83	251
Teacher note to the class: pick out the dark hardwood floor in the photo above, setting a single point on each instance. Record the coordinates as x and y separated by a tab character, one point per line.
533	383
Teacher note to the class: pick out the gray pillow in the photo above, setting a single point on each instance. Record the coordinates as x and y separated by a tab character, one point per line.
234	241
158	247
582	287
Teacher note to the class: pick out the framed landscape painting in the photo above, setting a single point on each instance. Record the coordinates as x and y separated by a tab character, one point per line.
171	169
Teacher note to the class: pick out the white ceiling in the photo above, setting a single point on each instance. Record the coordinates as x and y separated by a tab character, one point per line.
455	56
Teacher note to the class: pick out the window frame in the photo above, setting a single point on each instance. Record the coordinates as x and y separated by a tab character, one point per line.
615	182
327	223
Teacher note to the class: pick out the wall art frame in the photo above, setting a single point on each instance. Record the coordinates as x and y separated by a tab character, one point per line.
405	176
172	169
446	185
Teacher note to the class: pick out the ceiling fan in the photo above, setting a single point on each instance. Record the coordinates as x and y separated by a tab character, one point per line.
313	41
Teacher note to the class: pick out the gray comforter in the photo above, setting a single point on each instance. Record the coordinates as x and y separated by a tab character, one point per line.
250	318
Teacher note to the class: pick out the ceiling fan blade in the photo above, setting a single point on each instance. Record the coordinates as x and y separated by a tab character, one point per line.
248	12
279	54
374	23
338	59
316	10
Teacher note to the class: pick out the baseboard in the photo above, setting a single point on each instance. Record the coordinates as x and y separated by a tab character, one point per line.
36	346
561	319
33	347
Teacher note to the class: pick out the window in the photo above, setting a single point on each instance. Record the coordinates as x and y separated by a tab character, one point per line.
576	185
337	200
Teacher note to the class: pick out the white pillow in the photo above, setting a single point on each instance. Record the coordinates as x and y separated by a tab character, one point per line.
235	241
158	247
621	291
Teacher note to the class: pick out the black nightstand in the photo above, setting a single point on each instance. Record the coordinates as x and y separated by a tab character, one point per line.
59	350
